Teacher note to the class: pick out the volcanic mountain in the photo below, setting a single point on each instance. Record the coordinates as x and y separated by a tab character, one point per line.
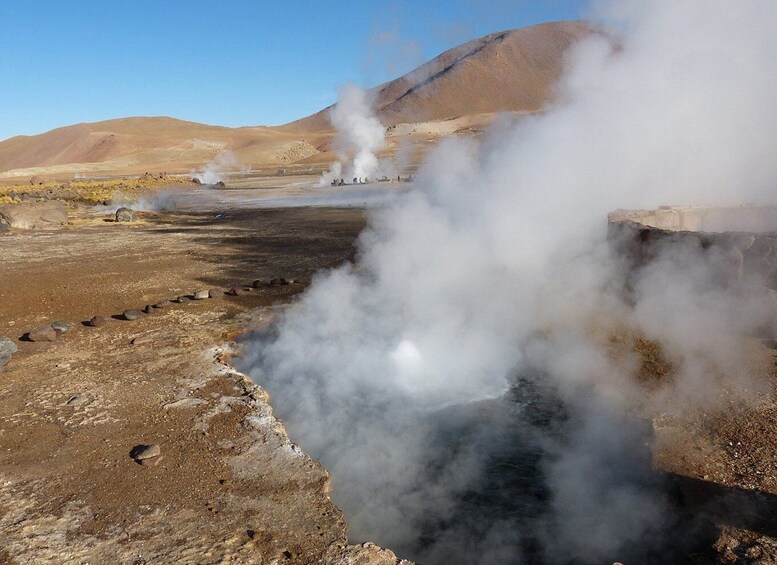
512	70
507	71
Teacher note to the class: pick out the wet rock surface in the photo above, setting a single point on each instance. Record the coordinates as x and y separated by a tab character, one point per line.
641	235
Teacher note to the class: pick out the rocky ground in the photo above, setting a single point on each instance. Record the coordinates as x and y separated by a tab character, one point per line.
228	486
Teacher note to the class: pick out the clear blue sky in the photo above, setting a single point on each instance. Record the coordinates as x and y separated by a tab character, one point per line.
228	62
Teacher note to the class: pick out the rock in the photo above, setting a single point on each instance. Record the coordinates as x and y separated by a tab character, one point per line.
141	339
132	314
7	348
76	400
143	451
195	180
257	284
33	215
150	461
237	291
125	215
182	299
96	321
43	333
201	295
60	326
279	282
220	184
215	292
184	403
163	304
148	309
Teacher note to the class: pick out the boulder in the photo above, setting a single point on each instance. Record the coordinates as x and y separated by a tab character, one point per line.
95	321
201	295
215	292
43	333
132	314
125	215
220	184
7	348
147	455
33	215
237	291
143	451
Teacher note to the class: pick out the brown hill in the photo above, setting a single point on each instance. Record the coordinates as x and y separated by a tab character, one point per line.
146	143
507	71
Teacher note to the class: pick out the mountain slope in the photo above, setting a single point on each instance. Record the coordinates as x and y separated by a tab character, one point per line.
508	71
147	143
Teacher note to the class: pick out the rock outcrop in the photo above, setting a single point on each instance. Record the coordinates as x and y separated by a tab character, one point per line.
33	215
744	239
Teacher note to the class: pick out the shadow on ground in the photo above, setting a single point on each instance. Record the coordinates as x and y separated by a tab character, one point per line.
263	244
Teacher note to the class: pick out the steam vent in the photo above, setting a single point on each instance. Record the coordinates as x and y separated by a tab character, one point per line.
740	241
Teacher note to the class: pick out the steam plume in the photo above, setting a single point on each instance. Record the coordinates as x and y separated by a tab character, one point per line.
217	170
473	337
359	135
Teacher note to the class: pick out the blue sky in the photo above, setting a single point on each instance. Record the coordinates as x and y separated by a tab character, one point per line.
229	62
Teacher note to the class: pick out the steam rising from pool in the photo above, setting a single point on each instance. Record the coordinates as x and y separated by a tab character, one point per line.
460	382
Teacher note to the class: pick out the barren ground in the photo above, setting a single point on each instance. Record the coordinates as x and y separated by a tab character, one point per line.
230	488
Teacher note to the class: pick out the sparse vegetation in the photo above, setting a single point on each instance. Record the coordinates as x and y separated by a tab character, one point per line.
87	191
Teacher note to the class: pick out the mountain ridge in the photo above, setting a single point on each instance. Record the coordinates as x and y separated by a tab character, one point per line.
512	70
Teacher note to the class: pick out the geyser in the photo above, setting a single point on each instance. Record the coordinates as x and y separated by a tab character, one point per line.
461	384
218	168
360	135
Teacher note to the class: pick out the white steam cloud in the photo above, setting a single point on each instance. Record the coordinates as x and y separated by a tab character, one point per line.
360	135
219	168
471	345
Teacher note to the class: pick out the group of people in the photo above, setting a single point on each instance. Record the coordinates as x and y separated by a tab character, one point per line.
356	180
366	180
